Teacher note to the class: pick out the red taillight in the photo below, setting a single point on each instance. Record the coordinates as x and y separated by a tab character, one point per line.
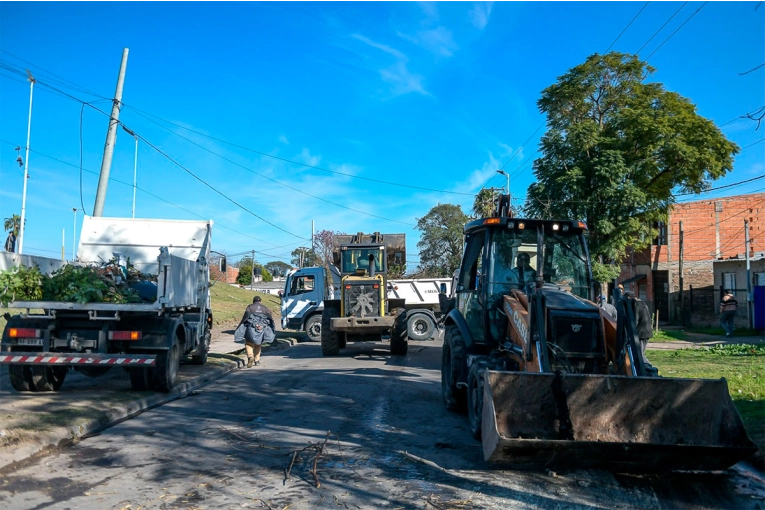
347	286
125	335
375	286
24	333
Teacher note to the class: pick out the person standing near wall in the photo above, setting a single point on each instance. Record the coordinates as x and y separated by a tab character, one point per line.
728	307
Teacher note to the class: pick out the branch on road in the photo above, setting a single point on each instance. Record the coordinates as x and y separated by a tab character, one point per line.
319	449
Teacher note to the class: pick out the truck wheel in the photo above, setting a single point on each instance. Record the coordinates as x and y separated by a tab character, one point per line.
399	344
330	340
20	378
475	398
313	328
201	359
42	378
141	379
452	359
420	327
166	369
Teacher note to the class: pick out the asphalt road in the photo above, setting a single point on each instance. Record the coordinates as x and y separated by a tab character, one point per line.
362	430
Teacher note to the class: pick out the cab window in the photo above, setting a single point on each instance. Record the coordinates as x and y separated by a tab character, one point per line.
302	284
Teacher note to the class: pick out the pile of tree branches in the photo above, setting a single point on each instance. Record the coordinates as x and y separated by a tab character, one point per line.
109	282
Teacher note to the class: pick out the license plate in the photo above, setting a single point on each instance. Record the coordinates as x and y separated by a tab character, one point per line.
29	341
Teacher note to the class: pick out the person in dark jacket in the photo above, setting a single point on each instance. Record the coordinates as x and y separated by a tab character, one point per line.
257	308
728	306
643	326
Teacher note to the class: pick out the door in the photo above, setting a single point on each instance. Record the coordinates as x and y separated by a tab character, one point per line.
303	294
661	294
470	284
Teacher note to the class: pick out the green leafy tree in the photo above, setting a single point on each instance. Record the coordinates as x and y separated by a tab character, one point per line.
616	150
277	267
245	270
440	243
12	224
485	203
309	257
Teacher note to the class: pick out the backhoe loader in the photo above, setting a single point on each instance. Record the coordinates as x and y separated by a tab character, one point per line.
550	380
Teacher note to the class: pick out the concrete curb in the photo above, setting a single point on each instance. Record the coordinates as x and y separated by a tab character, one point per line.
65	436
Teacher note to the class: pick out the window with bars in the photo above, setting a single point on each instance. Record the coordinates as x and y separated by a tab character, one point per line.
729	281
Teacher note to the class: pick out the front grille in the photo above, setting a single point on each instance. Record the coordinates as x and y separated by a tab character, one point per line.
362	300
578	335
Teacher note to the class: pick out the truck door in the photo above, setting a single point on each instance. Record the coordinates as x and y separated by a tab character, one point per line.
303	294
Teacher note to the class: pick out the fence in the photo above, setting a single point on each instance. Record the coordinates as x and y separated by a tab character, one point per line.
702	307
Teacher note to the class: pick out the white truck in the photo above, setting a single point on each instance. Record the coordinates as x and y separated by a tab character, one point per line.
46	339
305	290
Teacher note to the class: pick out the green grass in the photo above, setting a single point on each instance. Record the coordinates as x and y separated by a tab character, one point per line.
228	303
721	332
743	366
667	335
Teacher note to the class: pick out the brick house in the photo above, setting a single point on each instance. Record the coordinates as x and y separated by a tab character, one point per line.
230	276
713	230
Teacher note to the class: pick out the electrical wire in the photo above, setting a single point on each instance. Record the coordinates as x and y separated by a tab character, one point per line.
676	31
660	29
146	115
628	25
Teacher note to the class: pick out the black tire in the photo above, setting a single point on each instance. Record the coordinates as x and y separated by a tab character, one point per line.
166	368
330	340
141	379
399	343
93	371
475	398
420	327
201	359
41	378
313	328
452	361
20	377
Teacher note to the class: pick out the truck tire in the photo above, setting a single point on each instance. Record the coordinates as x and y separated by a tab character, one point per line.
20	378
475	397
46	378
452	360
399	344
166	369
313	328
141	379
330	340
420	327
201	359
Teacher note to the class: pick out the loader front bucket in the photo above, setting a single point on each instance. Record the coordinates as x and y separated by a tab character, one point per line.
625	424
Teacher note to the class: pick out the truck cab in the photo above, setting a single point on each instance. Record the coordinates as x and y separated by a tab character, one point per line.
303	299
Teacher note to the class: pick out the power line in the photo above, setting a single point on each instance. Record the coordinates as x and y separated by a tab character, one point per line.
628	25
749	71
660	29
676	31
286	160
112	179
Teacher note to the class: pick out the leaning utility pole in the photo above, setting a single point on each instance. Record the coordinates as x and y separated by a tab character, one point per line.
252	271
111	138
26	168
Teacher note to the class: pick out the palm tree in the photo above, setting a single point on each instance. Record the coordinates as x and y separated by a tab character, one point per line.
13	223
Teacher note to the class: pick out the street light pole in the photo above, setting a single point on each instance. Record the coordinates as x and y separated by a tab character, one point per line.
508	179
74	235
26	166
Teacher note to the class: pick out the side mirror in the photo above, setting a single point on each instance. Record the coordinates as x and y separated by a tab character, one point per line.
222	266
443	288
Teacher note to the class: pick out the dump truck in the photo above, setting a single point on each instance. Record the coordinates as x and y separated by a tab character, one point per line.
549	380
47	339
302	301
364	312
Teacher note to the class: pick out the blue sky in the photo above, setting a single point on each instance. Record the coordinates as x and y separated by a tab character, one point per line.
435	96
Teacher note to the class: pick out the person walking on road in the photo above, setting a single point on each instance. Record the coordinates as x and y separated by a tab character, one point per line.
255	328
728	306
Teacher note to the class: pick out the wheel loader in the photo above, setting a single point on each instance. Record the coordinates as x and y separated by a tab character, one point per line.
550	380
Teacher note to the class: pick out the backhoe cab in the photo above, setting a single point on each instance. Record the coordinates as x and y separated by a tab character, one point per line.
550	379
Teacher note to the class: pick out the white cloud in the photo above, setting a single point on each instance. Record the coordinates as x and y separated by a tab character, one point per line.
438	41
480	13
398	75
284	140
430	9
